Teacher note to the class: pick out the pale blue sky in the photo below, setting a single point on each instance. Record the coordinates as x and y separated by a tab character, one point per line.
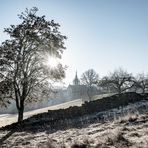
102	34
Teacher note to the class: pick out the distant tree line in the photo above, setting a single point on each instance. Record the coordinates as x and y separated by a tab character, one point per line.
118	81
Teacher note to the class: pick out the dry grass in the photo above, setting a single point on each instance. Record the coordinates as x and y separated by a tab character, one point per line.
127	117
117	139
129	130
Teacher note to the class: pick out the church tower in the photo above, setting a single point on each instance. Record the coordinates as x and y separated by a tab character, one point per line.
76	81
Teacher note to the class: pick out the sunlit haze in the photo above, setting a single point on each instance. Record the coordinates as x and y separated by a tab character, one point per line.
102	34
52	61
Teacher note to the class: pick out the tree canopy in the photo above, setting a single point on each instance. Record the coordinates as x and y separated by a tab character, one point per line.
119	80
141	82
23	59
89	78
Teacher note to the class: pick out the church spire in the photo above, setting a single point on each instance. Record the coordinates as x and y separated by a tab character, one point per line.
76	81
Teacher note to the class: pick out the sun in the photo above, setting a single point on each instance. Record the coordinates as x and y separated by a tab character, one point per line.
52	61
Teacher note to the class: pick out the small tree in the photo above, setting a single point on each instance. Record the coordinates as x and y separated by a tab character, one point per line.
90	79
24	72
141	82
119	80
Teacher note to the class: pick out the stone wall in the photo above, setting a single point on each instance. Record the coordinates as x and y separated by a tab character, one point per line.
103	104
56	118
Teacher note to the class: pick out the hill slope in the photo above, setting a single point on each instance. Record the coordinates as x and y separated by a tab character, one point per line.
6	119
124	127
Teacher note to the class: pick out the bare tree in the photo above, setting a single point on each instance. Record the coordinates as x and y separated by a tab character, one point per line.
24	72
141	82
90	79
119	81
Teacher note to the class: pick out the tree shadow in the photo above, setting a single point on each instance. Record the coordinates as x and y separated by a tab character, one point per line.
4	138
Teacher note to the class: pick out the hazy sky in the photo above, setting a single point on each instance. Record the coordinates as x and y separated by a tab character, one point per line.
102	34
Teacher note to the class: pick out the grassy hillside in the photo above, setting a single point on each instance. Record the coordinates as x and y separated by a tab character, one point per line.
6	119
118	127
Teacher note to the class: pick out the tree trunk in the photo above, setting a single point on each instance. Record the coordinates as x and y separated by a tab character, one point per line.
21	112
20	115
143	90
119	91
89	94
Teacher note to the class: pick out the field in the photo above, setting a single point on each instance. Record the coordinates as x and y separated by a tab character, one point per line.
6	119
124	127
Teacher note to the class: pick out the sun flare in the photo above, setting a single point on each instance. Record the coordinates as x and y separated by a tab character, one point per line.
52	61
